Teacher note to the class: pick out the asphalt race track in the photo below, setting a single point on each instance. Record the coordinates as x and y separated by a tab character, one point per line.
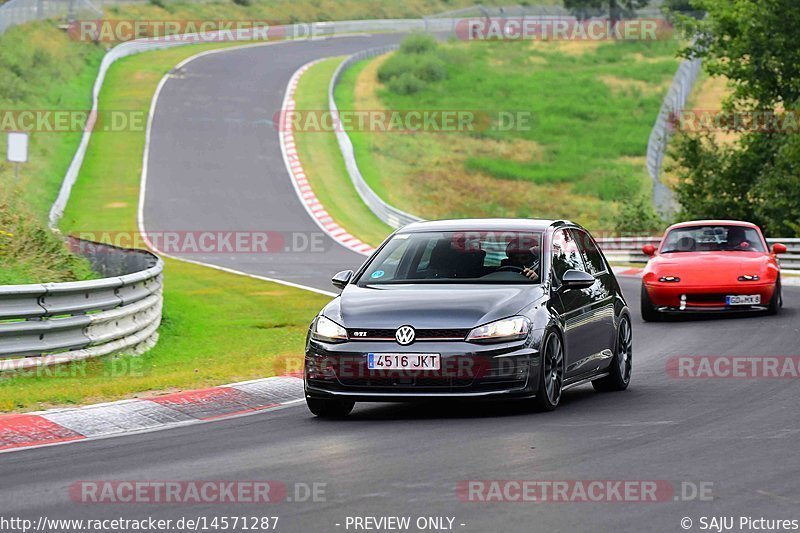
407	459
741	435
215	162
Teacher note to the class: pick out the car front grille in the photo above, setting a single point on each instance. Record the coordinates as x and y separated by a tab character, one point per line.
708	298
401	382
356	334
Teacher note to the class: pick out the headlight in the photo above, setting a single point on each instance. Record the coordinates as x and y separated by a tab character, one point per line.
325	329
508	329
749	277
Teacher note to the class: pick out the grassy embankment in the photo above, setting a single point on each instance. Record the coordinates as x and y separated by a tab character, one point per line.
217	328
592	104
51	72
291	11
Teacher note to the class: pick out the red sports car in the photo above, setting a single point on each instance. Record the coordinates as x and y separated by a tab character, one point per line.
711	266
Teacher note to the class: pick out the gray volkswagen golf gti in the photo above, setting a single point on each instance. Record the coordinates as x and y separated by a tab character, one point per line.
495	308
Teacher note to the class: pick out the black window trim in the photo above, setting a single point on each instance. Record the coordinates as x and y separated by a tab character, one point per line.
583	252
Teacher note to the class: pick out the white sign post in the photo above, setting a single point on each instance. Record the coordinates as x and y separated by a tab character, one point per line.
17	149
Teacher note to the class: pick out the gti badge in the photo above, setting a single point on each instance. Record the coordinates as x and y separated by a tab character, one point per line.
404	335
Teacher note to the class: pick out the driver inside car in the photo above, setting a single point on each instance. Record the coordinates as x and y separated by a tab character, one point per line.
737	239
526	258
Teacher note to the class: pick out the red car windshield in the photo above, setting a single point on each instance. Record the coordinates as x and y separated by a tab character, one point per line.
713	239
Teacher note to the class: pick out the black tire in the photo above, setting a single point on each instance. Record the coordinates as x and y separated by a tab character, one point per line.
649	313
776	302
619	376
551	373
329	408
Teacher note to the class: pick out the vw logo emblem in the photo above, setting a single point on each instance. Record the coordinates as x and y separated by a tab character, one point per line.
404	335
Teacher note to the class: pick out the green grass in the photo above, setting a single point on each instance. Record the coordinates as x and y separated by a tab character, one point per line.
218	327
323	163
49	72
592	110
32	253
291	11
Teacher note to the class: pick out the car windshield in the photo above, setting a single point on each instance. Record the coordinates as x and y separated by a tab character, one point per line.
457	257
712	239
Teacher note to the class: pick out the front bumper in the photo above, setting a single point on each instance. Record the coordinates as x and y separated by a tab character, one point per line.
674	298
467	371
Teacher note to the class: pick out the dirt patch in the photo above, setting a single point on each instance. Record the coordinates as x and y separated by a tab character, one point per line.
567	47
634	160
367	85
708	96
641	58
627	85
116	205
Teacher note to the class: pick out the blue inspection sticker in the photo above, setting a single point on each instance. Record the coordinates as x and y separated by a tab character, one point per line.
377	274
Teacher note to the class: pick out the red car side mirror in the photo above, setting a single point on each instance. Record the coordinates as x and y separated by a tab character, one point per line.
650	250
778	248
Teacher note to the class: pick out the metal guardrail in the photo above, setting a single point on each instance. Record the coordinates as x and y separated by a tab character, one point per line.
16	12
629	250
61	322
663	198
388	214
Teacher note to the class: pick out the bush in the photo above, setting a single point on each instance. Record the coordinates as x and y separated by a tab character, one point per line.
638	216
405	84
418	44
430	68
244	3
417	63
396	65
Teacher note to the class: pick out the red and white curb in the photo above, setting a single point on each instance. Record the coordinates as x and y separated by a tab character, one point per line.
56	426
298	175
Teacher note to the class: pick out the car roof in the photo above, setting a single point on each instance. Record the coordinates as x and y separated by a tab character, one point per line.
712	223
483	224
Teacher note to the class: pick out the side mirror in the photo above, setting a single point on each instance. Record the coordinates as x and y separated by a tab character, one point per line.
341	279
778	248
576	279
649	250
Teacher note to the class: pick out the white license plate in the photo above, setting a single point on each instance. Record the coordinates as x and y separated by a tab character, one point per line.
403	361
754	299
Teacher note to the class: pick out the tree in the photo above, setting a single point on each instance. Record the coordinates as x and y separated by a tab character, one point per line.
753	44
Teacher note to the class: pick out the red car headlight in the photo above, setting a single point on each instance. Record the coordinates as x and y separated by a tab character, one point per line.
749	277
